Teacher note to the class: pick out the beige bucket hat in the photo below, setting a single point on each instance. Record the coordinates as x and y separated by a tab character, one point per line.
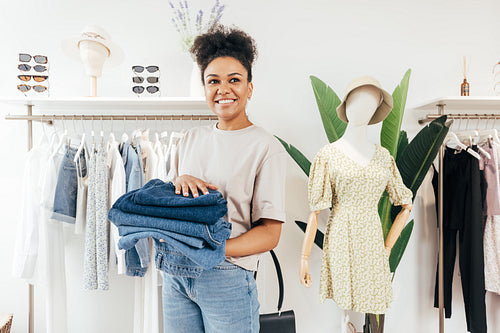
382	111
97	34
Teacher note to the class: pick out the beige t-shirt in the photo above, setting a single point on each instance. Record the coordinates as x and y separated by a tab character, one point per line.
248	165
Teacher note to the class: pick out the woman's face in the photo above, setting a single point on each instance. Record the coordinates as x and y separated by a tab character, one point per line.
227	90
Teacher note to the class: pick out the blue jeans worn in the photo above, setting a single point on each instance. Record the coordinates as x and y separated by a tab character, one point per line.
158	199
134	179
67	187
213	234
222	299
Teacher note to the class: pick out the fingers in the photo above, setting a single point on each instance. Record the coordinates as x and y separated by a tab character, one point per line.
186	183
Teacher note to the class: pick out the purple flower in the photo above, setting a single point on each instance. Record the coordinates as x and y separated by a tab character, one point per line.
171	4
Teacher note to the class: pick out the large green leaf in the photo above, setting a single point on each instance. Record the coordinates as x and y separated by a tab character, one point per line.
328	101
318	239
402	144
297	156
399	248
389	135
417	158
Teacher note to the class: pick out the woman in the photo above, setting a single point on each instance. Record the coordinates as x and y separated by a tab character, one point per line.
246	164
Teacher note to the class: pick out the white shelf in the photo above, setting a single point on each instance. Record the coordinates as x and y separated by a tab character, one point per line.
462	103
171	104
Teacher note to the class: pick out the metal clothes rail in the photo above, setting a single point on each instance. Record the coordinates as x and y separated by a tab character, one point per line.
50	119
428	118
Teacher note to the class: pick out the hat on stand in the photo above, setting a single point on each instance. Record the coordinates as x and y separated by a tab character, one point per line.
383	109
96	34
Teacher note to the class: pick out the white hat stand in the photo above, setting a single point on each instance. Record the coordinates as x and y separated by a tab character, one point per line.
93	55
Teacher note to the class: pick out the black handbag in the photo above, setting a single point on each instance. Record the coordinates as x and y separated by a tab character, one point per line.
278	322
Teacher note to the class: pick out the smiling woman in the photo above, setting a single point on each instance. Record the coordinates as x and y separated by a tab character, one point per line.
247	165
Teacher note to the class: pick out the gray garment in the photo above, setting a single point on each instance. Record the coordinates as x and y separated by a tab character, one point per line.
81	198
490	167
95	275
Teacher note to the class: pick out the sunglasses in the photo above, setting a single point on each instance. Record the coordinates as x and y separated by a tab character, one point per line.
37	88
140	79
37	78
24	57
140	89
26	68
140	69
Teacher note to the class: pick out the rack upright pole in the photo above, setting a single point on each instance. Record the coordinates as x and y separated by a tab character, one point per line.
31	288
440	220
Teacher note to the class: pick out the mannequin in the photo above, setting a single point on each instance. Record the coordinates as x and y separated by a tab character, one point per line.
93	55
361	104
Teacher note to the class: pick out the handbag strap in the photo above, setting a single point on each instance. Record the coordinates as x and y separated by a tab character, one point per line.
280	279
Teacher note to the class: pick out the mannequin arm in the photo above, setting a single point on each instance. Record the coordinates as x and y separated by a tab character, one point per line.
310	234
397	227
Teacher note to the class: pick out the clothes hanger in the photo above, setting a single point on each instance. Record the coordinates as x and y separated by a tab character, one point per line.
102	132
491	133
451	136
124	135
61	140
82	143
479	148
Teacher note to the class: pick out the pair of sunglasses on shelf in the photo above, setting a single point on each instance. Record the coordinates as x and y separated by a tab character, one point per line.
140	69
149	89
150	79
25	88
39	59
36	78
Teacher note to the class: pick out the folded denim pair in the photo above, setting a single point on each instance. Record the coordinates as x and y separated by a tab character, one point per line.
213	234
158	199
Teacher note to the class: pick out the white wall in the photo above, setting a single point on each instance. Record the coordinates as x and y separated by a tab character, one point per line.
334	40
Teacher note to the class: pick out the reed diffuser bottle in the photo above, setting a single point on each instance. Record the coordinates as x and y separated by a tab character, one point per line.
464	88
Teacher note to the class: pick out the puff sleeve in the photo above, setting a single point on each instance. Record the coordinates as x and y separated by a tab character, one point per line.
396	189
320	186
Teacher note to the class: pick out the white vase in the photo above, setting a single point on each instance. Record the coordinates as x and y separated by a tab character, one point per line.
196	88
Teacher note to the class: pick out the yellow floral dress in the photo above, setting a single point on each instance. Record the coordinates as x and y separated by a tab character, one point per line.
355	267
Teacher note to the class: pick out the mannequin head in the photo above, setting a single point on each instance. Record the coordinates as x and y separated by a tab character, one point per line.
93	55
361	104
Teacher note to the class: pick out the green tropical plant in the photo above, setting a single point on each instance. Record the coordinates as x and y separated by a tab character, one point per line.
412	158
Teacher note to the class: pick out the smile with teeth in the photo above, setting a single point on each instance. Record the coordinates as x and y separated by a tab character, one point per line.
225	101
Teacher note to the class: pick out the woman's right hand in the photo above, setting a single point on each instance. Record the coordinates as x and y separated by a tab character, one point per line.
305	277
187	183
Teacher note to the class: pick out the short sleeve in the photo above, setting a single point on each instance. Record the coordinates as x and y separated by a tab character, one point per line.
396	189
269	191
320	186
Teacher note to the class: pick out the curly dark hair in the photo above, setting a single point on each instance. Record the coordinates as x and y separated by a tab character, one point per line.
221	41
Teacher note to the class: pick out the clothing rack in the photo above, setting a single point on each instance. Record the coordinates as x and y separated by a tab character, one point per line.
486	103
49	119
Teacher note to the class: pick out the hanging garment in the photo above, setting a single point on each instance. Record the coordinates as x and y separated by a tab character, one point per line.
81	197
491	236
355	262
149	160
52	248
117	187
462	215
95	275
135	179
161	165
27	235
67	186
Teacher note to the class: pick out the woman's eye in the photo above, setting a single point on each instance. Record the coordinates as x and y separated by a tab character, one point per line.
234	79
213	81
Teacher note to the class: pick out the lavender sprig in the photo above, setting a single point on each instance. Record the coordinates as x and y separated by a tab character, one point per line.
181	20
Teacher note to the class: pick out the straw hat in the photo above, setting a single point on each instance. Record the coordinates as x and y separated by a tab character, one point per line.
96	34
382	111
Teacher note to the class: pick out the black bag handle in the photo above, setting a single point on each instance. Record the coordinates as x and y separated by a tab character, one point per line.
280	279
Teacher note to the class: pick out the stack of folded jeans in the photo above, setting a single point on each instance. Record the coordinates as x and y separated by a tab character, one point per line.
193	228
